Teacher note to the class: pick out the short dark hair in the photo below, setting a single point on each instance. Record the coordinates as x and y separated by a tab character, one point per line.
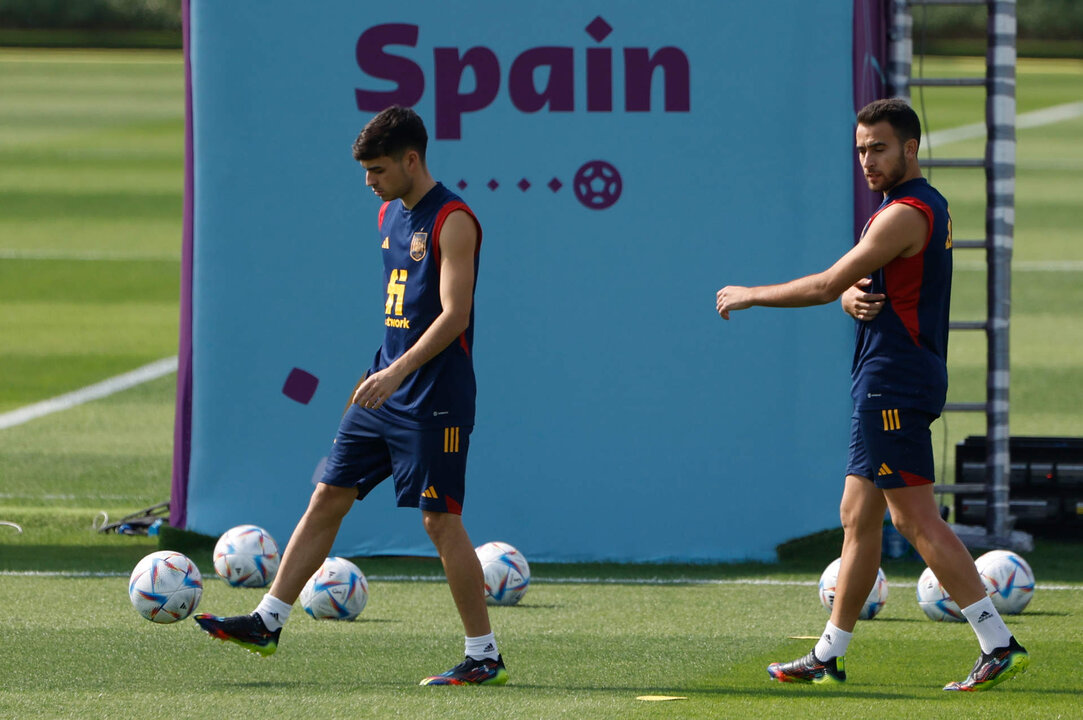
897	113
392	132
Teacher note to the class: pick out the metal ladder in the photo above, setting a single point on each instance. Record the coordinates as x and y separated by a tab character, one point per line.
999	166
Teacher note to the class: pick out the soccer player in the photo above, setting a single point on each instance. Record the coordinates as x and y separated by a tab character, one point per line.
899	387
411	414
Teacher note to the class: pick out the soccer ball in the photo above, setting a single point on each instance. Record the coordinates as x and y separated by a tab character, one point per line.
507	574
165	587
246	556
1008	580
873	604
337	591
934	600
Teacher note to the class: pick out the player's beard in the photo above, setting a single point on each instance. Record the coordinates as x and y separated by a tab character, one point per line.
892	176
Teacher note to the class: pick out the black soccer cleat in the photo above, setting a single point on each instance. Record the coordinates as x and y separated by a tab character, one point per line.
248	631
472	672
810	669
993	668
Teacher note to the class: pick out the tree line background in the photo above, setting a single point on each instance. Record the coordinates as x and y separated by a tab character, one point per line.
1047	28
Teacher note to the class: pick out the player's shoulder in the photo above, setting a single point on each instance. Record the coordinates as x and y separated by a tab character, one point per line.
904	211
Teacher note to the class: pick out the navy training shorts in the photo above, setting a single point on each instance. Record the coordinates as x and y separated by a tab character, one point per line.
893	448
428	464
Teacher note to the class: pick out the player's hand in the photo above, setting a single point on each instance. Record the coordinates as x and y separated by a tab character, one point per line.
862	305
376	389
730	298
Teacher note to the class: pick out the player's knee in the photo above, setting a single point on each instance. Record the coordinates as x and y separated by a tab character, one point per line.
440	525
908	526
331	501
857	521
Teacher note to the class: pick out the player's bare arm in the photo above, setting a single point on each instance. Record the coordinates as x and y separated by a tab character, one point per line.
458	243
860	304
899	231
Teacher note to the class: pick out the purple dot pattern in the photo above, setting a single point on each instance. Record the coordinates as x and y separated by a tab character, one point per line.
597	184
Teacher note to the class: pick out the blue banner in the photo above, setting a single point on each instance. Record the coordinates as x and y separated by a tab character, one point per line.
625	161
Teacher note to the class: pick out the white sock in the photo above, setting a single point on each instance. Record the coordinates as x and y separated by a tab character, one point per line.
482	648
987	624
833	643
273	612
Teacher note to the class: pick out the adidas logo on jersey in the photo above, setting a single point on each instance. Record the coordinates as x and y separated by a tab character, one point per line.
884	470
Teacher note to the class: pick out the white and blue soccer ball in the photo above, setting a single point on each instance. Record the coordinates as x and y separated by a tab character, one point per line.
165	586
506	571
337	591
1008	580
935	601
246	556
873	604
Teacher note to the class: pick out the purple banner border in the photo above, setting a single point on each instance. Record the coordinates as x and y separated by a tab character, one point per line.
182	427
869	60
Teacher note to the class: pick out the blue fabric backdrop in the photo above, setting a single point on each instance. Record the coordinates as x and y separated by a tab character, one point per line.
618	416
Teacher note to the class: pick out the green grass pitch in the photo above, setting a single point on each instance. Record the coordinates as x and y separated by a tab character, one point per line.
91	163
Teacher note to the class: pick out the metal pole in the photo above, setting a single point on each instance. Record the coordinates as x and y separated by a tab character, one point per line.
999	227
900	51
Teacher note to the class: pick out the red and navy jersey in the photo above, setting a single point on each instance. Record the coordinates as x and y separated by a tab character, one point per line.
441	392
900	360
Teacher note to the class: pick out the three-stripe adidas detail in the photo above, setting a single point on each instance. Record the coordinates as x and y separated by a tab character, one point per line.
451	439
891	419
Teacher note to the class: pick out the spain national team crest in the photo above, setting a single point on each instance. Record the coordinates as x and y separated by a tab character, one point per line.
419	245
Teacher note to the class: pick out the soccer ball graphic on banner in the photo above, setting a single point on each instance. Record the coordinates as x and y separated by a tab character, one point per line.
934	600
165	586
246	556
337	591
873	604
1008	580
507	574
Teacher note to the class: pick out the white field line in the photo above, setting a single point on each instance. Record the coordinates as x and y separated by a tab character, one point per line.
1033	119
96	391
541	581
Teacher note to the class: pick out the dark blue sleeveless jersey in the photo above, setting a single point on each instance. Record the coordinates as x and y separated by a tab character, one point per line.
442	391
900	360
